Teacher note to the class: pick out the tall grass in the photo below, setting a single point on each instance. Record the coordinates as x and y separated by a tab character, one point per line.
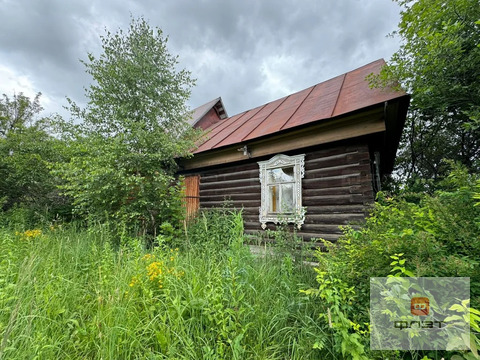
67	294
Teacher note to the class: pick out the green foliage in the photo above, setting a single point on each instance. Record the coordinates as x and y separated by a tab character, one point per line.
439	65
67	293
338	298
399	269
435	236
439	236
284	239
26	153
214	229
132	129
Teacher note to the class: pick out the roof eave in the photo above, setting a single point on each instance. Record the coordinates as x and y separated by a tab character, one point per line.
395	117
359	123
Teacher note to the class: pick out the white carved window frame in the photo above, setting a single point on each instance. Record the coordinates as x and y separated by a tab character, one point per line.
280	161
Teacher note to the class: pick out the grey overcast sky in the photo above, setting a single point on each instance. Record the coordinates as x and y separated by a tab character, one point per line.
249	52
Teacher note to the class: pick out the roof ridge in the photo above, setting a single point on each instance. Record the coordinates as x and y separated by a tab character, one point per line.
360	67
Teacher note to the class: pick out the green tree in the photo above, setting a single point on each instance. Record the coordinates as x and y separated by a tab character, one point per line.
131	131
439	65
26	153
18	113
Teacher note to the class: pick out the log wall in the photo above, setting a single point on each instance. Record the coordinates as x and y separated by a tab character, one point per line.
335	190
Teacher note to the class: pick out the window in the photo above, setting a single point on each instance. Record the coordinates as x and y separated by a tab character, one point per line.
281	184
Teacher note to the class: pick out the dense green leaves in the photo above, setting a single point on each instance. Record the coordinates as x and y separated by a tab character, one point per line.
26	152
436	236
132	129
439	64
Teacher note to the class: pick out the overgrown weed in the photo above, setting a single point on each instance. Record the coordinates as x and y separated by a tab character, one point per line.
70	292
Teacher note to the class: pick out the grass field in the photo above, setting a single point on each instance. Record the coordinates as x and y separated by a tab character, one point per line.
68	293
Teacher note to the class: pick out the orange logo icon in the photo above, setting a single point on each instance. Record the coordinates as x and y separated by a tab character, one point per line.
420	306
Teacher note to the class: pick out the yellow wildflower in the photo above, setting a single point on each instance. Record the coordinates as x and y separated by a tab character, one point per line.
29	234
133	282
147	257
154	270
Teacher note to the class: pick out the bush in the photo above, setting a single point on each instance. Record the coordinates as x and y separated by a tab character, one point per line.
438	235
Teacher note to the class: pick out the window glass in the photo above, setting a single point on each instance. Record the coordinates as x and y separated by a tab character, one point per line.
280	175
274	198
287	201
288	172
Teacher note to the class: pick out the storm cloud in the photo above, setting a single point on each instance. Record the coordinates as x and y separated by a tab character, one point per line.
248	52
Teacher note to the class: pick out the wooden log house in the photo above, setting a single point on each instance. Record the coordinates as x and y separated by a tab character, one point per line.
313	159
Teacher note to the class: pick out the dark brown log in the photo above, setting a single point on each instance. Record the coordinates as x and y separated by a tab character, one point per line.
237	204
229	184
316	161
333	181
354	189
233	175
235	197
334	200
229	169
230	190
338	219
307	237
246	210
333	209
351	169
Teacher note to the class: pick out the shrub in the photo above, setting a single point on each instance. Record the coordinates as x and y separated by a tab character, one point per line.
438	236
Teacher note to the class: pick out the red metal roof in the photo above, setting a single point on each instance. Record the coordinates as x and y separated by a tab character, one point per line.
338	96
